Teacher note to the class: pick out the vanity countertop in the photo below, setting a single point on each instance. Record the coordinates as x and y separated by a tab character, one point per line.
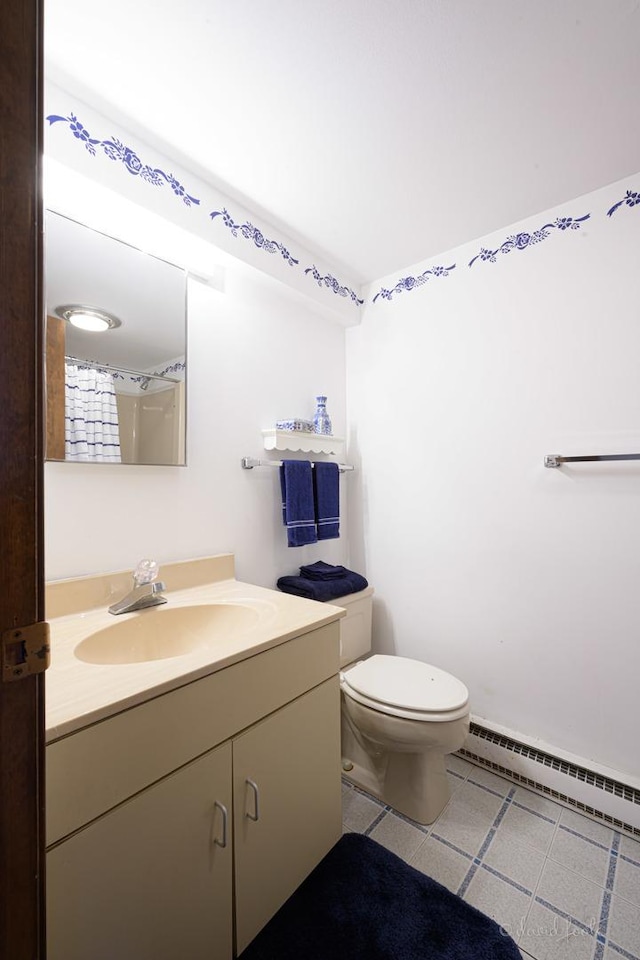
80	693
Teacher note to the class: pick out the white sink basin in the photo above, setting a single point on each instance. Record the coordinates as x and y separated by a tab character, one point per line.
159	633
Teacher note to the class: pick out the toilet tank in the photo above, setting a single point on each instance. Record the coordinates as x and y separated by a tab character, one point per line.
355	628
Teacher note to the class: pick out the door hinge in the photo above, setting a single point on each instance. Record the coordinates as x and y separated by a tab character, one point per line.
25	651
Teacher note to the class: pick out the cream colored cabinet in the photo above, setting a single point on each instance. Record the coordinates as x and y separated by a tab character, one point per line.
151	879
153	837
286	789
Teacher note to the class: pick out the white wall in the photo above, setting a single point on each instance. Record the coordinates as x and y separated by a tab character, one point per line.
521	580
256	353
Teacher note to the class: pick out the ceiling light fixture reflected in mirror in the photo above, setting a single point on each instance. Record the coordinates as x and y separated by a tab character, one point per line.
88	318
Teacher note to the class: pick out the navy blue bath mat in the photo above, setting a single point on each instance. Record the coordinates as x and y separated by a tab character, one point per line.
364	903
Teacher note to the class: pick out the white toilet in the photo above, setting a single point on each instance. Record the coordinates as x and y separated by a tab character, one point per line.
400	718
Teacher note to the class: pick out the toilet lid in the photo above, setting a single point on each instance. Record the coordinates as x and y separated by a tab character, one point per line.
407	684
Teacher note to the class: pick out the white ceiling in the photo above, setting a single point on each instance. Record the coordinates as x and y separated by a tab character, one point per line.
378	132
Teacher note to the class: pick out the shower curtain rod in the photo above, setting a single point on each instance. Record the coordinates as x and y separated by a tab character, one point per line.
247	463
555	460
112	366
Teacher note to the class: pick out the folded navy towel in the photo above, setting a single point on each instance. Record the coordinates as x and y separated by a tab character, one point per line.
323	571
326	488
322	589
298	515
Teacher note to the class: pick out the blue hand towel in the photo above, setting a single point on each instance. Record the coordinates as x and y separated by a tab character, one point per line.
323	590
326	483
323	571
296	482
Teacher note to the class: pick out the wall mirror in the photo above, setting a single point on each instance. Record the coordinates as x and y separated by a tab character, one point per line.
115	350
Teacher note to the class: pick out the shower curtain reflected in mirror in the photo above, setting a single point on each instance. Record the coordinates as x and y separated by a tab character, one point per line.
91	415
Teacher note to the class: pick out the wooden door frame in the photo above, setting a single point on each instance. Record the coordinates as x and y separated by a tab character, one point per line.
21	508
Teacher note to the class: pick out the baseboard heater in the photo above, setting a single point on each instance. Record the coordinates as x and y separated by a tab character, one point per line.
603	798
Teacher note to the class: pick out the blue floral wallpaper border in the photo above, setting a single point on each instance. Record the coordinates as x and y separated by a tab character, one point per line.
520	241
249	232
333	284
631	199
410	283
177	367
116	150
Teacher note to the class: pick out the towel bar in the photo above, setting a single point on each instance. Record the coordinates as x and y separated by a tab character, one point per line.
555	460
248	463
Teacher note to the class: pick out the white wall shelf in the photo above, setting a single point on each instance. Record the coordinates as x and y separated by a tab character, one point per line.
297	440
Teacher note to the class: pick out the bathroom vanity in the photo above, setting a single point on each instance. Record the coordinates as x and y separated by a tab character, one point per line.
187	795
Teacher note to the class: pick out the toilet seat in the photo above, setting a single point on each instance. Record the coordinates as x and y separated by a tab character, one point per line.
406	688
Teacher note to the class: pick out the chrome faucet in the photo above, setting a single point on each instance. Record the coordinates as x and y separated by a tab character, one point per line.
147	590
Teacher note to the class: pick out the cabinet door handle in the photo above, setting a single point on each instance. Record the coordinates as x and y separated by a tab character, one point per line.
222	842
256	807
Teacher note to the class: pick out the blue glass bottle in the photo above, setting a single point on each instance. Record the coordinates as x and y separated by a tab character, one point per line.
321	419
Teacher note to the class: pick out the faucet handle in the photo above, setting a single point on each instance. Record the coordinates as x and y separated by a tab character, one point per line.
146	572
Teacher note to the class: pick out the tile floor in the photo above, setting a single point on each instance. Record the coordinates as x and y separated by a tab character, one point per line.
563	886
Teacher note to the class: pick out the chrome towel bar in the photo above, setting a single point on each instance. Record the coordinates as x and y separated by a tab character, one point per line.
248	463
555	460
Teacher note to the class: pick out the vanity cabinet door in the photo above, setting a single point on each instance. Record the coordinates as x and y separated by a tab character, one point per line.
150	879
287	797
